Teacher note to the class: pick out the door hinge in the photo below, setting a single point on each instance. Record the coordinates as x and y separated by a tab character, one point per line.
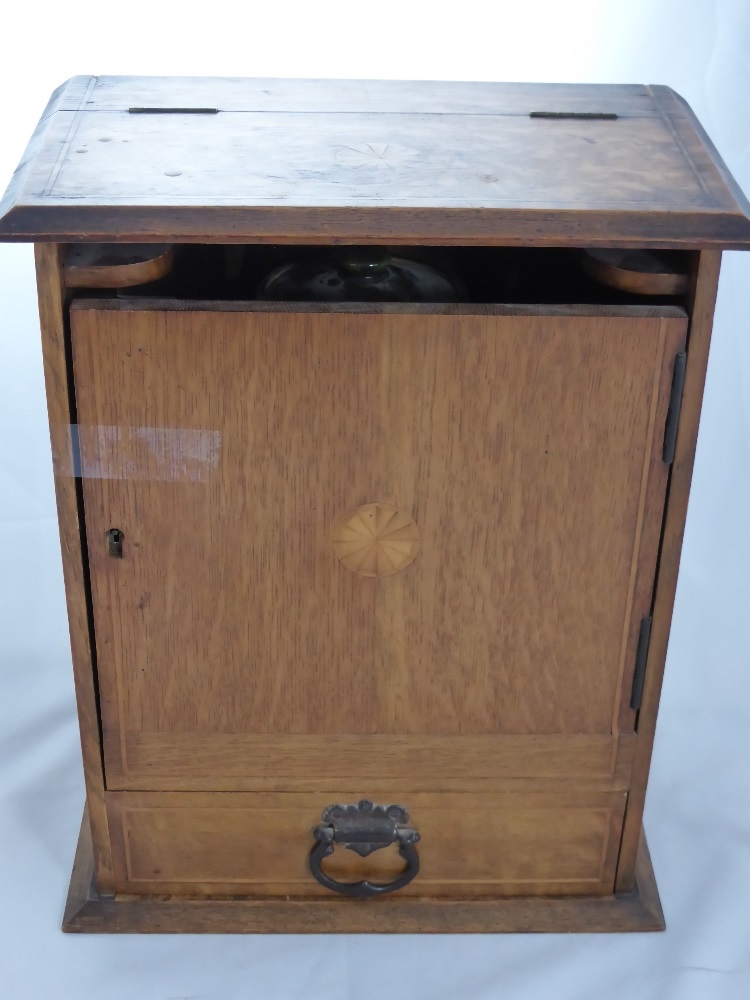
675	403
639	674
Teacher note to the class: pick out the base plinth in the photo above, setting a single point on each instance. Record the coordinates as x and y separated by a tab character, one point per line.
89	912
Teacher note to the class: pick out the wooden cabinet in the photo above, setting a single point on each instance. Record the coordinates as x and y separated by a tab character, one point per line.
415	555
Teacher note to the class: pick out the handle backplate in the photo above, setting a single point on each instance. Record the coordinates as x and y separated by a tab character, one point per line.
363	828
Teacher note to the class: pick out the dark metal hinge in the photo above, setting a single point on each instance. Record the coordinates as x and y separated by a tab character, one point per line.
639	675
675	403
607	116
173	111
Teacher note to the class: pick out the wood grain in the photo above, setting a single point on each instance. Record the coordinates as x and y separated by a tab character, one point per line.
61	417
391	162
496	844
68	96
697	147
119	93
368	160
229	612
242	761
704	283
87	911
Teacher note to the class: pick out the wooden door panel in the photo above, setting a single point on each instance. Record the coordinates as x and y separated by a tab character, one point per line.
258	844
228	442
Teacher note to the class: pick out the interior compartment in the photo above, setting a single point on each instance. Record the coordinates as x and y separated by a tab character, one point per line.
489	274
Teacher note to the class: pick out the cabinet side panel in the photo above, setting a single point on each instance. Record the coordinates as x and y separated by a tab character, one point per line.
703	297
52	319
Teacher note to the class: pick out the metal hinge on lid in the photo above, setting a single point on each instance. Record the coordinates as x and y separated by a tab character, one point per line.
173	111
606	116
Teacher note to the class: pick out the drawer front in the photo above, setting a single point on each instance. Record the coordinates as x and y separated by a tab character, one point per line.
470	845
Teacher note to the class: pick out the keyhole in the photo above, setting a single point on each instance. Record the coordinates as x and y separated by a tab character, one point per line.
114	542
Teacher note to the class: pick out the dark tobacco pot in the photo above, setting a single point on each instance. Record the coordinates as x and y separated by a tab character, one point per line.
359	274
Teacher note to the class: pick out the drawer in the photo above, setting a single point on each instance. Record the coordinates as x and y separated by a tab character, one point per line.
471	845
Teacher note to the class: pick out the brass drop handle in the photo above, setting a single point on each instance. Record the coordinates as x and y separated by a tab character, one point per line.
363	828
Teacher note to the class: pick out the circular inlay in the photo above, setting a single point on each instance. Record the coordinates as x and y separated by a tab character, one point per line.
376	539
380	155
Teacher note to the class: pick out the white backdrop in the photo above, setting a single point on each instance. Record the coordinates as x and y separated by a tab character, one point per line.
698	810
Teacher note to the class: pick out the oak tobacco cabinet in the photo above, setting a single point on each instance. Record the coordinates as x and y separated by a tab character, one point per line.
370	599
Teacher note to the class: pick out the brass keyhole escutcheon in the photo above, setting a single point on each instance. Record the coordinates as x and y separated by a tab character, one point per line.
376	539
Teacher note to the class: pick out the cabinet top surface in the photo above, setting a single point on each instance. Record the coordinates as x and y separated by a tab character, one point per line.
227	159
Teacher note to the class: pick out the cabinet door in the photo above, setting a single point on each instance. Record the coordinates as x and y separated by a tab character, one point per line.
369	544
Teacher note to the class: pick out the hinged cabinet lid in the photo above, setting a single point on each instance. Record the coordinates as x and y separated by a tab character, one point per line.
211	159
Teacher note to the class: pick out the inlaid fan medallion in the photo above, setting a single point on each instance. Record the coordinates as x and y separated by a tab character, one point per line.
376	539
